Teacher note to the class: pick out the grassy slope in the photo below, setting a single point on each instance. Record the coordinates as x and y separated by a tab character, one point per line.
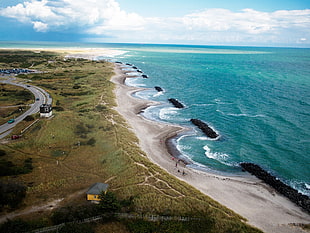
67	160
11	98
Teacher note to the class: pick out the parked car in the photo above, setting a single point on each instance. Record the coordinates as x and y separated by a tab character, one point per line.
14	137
11	121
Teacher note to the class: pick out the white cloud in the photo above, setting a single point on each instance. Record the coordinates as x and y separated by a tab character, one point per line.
247	21
39	26
216	26
58	14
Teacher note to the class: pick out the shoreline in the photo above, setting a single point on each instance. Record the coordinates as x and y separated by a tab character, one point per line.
248	196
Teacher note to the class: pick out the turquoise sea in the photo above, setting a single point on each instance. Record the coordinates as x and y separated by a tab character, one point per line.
257	99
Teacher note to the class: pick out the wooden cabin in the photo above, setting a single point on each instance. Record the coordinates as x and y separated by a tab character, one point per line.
95	190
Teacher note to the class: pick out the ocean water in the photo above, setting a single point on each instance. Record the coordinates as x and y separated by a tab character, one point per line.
257	99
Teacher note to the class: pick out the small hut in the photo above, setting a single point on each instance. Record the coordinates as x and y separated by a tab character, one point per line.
95	190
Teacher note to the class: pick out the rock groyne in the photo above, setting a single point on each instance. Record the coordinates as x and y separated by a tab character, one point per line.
157	88
289	192
205	128
176	103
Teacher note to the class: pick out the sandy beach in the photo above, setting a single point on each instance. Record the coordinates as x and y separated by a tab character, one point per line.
260	204
71	52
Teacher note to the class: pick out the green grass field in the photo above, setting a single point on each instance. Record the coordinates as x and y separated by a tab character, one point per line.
87	141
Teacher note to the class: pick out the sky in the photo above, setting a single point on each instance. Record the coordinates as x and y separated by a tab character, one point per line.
194	22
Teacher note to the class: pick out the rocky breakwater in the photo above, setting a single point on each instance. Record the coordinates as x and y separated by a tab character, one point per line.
176	103
289	192
205	128
157	88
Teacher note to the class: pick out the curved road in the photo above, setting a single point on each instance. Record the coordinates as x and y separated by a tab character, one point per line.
40	95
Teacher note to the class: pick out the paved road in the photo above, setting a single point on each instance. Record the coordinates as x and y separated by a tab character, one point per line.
40	95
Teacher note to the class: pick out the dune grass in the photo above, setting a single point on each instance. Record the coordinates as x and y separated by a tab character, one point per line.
87	141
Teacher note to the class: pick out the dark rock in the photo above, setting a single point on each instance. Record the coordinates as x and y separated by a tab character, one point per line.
128	64
134	67
144	76
176	103
118	62
139	71
158	88
205	128
289	192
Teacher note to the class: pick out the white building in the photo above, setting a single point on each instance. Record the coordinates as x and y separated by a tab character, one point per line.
46	110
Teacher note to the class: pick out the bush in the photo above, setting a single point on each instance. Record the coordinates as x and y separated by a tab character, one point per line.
7	168
28	165
76	86
58	108
15	226
2	152
29	118
100	108
74	213
109	203
81	129
20	225
11	194
91	142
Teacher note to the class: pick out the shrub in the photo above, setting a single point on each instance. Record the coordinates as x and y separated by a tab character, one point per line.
29	118
74	213
15	226
2	152
100	108
58	108
11	194
91	142
109	203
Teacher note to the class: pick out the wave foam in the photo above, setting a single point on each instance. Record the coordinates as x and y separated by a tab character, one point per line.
181	148
134	82
240	114
203	105
167	113
215	155
158	94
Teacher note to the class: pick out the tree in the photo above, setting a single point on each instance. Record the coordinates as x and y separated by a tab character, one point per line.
109	203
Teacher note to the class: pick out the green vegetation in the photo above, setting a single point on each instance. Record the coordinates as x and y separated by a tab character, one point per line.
11	194
14	101
98	147
7	168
